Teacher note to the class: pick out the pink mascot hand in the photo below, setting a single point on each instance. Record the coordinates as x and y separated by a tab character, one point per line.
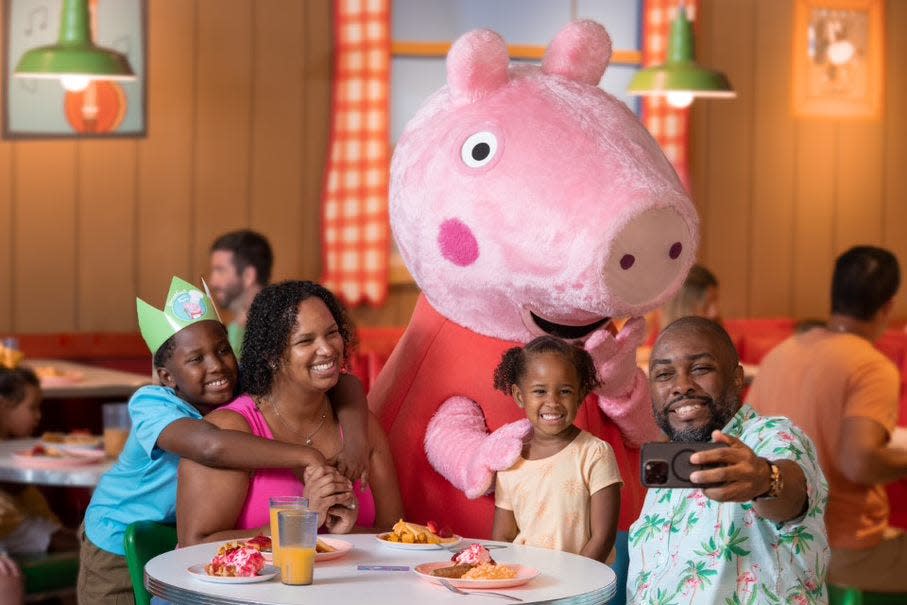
624	393
615	357
460	448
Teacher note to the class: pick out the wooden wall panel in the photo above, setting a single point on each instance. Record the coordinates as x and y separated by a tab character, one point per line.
318	69
6	232
106	235
817	186
859	183
278	97
894	209
223	83
45	255
814	200
770	270
165	157
729	188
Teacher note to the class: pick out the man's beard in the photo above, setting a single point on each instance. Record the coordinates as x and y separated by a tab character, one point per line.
721	413
227	295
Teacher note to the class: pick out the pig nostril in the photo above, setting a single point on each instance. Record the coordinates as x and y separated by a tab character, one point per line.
675	250
626	261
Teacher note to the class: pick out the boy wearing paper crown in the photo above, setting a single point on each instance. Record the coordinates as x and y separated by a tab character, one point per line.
198	373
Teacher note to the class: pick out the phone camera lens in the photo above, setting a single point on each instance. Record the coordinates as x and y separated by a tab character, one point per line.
656	472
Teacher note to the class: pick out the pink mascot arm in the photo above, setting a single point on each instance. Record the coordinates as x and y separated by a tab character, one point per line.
460	448
624	393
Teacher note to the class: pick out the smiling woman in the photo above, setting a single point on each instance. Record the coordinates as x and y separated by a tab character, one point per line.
297	342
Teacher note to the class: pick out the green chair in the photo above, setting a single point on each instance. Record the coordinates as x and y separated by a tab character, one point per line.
48	575
843	595
143	541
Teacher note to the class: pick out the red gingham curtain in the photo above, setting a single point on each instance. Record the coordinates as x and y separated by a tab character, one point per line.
670	126
355	230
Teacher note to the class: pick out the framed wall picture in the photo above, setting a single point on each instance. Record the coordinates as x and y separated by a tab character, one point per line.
838	64
42	108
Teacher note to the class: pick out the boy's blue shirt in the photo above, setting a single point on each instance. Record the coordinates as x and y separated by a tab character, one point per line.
142	483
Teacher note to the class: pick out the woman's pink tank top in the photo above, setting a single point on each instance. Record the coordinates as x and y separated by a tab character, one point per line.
280	482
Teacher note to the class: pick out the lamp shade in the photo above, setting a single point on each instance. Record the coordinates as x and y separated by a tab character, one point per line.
74	55
680	77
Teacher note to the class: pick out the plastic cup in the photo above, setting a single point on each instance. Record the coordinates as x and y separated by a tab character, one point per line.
298	531
116	427
277	504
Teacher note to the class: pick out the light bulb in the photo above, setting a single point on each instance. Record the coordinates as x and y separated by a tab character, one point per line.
680	99
75	83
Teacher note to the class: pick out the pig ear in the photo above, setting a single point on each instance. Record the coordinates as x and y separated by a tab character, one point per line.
477	64
580	51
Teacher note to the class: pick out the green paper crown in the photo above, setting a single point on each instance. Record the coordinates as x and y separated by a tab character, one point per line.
185	306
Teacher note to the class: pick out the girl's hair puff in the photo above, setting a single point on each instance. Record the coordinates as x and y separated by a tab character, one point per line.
13	383
513	363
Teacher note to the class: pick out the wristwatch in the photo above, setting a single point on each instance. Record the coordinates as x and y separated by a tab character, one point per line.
777	482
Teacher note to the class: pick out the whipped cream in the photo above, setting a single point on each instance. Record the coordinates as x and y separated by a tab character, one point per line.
475	554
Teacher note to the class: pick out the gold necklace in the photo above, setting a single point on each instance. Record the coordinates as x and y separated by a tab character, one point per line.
308	440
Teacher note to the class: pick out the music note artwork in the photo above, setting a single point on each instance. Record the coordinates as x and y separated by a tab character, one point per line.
42	108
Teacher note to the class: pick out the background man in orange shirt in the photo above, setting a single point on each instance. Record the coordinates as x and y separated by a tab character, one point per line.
843	392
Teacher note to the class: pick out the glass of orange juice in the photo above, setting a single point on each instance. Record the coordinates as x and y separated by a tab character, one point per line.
279	503
298	531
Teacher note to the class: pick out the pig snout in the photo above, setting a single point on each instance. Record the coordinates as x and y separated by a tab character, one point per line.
647	256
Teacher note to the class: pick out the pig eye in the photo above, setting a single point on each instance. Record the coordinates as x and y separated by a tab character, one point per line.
479	149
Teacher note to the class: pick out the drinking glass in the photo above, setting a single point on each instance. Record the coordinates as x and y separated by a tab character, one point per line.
116	427
276	504
298	530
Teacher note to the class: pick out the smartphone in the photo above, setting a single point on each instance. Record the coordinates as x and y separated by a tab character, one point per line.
668	464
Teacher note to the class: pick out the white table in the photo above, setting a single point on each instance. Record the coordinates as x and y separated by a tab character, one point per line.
11	471
93	381
564	578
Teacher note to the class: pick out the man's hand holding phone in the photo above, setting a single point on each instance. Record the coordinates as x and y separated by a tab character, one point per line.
739	475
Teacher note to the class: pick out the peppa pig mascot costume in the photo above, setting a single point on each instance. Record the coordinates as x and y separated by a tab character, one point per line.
524	200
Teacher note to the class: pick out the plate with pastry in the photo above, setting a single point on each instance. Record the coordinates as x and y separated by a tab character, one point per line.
473	567
41	456
325	548
234	563
56	377
412	536
76	442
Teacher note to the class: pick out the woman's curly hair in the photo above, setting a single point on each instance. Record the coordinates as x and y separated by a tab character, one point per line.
269	325
512	368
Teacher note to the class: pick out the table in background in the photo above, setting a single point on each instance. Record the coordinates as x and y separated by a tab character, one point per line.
11	471
564	578
93	381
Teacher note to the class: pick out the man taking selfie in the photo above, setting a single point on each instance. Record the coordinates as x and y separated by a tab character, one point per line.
754	532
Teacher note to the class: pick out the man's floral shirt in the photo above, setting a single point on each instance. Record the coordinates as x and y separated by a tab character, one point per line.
685	548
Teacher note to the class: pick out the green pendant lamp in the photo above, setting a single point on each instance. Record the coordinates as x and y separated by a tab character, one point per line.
74	59
680	79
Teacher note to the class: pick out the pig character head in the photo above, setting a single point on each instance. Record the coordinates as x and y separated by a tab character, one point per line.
526	200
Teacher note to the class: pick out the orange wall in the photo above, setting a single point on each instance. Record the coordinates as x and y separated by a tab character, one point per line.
780	197
239	95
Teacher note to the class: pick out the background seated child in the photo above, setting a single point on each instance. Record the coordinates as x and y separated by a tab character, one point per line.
198	372
27	525
564	491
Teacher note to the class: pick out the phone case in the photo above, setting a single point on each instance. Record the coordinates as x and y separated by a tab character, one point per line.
668	464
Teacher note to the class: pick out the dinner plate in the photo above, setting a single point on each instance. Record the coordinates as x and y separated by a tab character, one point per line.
76	449
197	571
25	459
61	380
523	575
445	543
342	547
